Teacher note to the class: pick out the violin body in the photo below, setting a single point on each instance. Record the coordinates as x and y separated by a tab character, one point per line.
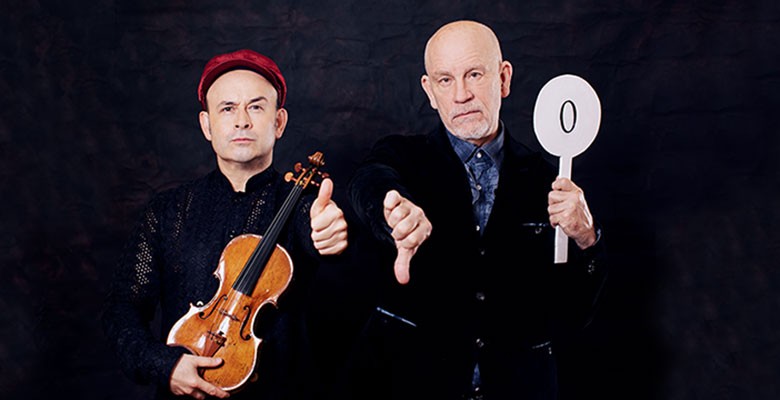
223	327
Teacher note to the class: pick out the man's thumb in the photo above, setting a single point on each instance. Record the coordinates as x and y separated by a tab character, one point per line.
323	196
401	266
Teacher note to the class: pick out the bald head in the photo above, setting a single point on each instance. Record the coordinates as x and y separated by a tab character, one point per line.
469	36
466	78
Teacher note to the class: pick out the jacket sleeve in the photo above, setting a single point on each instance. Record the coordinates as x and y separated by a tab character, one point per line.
583	279
131	305
378	174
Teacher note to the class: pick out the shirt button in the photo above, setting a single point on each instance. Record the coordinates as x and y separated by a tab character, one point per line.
480	344
479	187
477	228
482	252
480	296
591	267
479	154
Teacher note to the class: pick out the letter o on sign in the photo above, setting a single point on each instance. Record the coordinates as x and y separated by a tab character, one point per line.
568	116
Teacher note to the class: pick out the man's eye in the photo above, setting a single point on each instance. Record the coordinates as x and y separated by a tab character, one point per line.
444	81
255	107
475	74
227	109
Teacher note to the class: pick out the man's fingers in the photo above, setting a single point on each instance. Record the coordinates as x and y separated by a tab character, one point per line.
186	380
331	243
559	208
557	196
331	225
208	362
392	200
211	390
204	386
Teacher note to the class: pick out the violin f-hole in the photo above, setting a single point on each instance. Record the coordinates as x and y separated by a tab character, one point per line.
244	333
203	315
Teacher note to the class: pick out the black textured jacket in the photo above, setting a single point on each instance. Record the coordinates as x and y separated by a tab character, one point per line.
496	298
169	262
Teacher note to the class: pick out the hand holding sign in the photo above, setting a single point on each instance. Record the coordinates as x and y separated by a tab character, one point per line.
567	116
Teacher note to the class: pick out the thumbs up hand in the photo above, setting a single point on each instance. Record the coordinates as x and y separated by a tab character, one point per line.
328	225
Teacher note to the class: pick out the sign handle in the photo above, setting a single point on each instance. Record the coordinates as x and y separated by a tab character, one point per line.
561	240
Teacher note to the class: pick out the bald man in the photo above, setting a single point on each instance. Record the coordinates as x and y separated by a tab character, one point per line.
170	260
476	302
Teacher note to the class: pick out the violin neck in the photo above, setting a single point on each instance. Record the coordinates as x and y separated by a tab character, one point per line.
251	272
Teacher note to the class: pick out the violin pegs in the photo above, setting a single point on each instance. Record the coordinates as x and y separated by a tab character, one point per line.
289	177
323	174
317	159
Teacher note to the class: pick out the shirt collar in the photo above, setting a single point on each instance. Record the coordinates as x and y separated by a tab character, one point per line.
494	148
255	183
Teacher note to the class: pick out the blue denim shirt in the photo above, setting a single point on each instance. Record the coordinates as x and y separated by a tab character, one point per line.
482	165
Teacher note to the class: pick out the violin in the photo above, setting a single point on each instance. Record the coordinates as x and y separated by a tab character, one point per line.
258	271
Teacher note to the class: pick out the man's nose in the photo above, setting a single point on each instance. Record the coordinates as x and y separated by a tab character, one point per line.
462	91
242	120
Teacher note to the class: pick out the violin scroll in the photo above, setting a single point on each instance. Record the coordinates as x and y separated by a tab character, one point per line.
305	175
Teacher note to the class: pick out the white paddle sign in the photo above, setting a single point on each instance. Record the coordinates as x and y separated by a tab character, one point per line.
567	116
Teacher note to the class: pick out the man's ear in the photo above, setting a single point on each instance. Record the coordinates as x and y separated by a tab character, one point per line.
280	122
203	118
425	82
506	77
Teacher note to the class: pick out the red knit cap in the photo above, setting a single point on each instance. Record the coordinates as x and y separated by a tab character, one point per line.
242	59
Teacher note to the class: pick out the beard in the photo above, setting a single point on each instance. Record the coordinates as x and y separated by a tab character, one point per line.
473	127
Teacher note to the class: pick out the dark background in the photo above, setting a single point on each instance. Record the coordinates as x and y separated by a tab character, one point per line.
98	111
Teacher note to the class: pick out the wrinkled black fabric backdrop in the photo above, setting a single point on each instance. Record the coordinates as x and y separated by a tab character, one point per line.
98	112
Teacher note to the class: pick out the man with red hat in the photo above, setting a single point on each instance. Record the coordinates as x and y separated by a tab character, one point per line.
170	259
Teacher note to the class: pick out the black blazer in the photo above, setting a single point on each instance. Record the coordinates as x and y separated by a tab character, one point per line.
496	298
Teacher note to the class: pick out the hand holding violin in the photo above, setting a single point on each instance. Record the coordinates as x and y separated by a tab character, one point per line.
186	379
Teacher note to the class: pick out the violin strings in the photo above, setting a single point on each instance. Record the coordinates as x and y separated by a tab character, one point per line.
251	273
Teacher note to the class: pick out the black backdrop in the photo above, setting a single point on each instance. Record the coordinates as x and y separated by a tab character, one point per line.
98	111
